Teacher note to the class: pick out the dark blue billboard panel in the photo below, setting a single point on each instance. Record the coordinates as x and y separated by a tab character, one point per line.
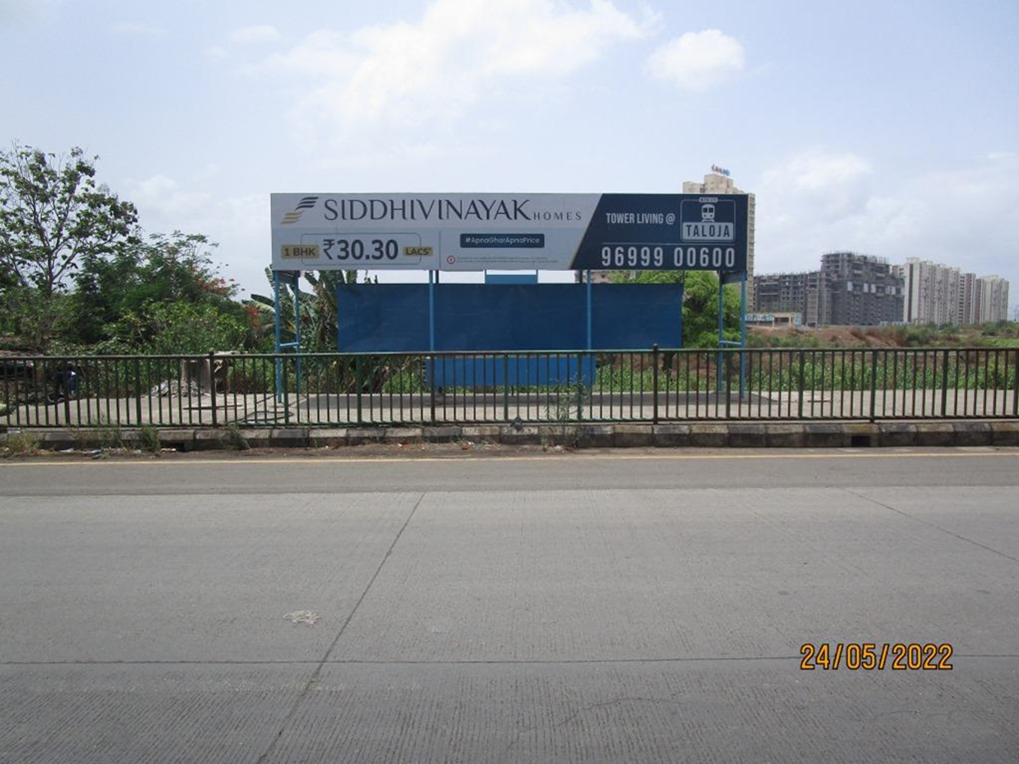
670	232
494	317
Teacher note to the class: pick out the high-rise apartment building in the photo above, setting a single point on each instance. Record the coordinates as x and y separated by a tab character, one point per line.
862	290
967	295
941	294
718	181
990	299
932	293
801	293
849	289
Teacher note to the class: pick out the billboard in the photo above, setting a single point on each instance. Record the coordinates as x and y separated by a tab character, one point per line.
476	232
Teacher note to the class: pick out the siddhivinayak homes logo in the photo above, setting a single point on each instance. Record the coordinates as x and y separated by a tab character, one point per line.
306	203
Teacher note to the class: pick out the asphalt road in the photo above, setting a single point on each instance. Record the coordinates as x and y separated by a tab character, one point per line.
561	608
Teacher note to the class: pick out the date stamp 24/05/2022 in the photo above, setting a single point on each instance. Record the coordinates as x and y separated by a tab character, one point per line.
875	656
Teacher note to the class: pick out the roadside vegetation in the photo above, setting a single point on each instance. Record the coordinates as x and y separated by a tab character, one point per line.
79	277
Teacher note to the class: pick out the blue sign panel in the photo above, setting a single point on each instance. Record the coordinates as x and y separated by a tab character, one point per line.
672	232
494	317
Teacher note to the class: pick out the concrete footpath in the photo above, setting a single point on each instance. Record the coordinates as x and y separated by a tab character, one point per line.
631	605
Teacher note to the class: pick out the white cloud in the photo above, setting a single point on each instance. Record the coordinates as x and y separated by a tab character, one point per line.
817	170
697	61
255	34
819	201
236	223
136	29
833	184
426	73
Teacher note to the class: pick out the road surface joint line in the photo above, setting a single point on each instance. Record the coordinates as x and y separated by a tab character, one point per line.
313	679
931	525
468	662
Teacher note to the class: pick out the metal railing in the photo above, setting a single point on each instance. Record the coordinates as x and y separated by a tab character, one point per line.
657	385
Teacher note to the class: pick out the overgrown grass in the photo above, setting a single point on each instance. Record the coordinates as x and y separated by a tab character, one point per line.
108	434
234	438
148	439
21	443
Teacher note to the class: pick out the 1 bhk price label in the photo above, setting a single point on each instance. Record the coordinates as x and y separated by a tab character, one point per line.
299	252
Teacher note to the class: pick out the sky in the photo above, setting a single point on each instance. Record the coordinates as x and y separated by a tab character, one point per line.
890	129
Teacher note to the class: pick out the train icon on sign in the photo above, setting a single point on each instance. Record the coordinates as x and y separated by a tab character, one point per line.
708	220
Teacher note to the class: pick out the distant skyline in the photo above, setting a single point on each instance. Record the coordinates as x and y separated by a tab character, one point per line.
887	129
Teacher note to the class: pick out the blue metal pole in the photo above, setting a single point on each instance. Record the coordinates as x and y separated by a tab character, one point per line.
431	311
432	278
297	326
590	322
278	326
590	326
720	372
742	335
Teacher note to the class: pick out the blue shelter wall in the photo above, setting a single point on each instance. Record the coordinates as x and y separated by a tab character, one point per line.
492	317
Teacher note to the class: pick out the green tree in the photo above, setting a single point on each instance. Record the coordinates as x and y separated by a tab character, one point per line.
165	269
179	327
53	215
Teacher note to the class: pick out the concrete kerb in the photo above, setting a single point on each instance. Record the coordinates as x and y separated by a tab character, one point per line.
331	437
289	437
484	433
670	435
1005	433
709	435
972	434
935	434
748	435
623	435
596	436
633	436
528	435
826	435
785	435
359	436
897	434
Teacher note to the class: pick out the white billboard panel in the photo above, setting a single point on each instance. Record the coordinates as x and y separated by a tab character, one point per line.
474	232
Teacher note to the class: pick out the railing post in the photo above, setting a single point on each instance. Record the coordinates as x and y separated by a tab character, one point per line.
728	386
944	385
138	393
358	383
431	386
212	388
579	386
654	382
66	386
1015	386
286	393
800	397
505	387
873	385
